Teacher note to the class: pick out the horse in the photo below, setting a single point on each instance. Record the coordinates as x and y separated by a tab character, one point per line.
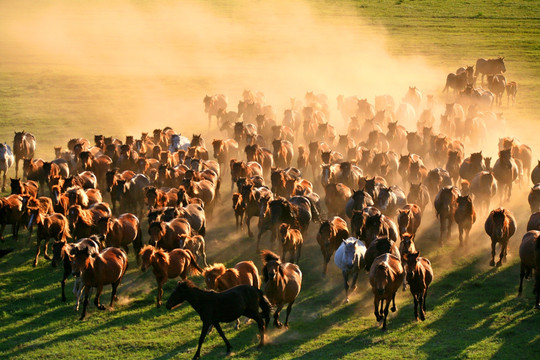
34	207
331	233
458	82
53	225
419	194
520	152
497	85
252	198
350	258
108	267
390	199
452	165
283	153
385	276
291	241
167	265
409	219
359	200
381	245
435	180
500	226
337	196
506	172
303	158
534	198
226	306
489	67
165	235
83	221
471	166
419	277
281	284
535	174
212	104
11	212
6	161
511	91
24	146
62	253
484	188
218	277
529	242
224	151
29	187
445	204
465	217
196	245
239	209
121	231
413	97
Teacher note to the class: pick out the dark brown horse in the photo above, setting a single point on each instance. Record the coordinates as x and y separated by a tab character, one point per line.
409	219
500	226
465	217
122	231
445	207
281	283
471	166
54	226
291	242
227	306
489	67
419	277
11	212
166	235
224	151
108	267
506	172
385	276
336	198
24	145
168	265
534	198
527	248
331	233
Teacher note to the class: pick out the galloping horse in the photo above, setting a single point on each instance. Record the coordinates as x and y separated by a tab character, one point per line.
6	161
24	145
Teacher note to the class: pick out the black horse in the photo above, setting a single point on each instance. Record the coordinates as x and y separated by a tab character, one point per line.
226	306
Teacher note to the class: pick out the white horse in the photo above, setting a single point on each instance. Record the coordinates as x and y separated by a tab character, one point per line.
179	142
349	258
6	161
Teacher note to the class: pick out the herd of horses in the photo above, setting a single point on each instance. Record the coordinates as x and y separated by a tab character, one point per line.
367	190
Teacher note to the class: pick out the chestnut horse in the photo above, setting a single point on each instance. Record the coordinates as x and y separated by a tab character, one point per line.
24	145
283	153
419	277
385	276
168	265
500	226
11	212
527	255
445	207
239	208
281	284
55	226
166	235
227	306
465	217
331	233
409	219
381	245
224	151
218	277
108	267
121	231
506	172
291	241
336	198
419	194
534	198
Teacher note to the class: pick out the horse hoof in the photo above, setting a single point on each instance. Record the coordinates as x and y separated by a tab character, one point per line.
34	264
499	264
393	309
346	301
47	257
492	263
101	307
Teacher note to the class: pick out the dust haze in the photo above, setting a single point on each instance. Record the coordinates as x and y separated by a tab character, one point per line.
157	61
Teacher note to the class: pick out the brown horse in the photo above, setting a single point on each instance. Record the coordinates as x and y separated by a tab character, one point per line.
489	67
385	276
534	221
534	198
331	233
506	172
500	226
406	246
381	245
419	194
239	208
99	165
527	255
168	265
218	277
281	284
54	226
291	241
83	221
227	306
465	217
260	155
471	166
108	267
224	151
484	188
419	277
166	235
160	197
303	158
29	187
121	231
11	212
212	104
196	245
409	219
24	145
511	91
283	153
445	207
336	198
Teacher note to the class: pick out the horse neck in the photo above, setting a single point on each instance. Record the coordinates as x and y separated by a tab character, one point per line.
89	272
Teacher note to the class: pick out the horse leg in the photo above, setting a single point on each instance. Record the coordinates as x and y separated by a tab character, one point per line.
45	255
276	316
204	331
4	182
85	302
346	283
393	308
354	280
415	298
289	308
422	301
63	283
2	232
385	314
160	291
492	262
441	232
502	255
113	293
376	305
248	221
96	300
38	245
460	228
220	331
298	251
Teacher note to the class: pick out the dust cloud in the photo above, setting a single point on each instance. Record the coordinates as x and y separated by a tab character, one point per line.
157	60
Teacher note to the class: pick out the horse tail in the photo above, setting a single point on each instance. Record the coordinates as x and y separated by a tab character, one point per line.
65	230
266	307
194	268
138	243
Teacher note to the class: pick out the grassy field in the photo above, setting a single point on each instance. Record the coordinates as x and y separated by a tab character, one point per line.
473	311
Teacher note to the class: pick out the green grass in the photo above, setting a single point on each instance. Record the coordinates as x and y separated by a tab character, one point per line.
473	311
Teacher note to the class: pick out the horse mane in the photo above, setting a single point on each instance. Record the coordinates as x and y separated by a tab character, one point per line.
268	256
216	267
84	215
